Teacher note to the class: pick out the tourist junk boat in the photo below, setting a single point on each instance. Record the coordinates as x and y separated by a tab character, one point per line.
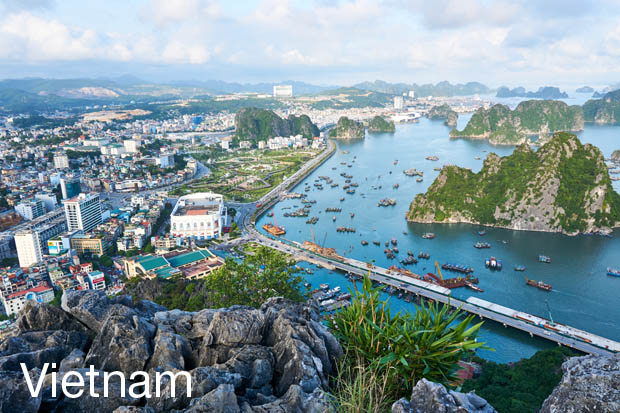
544	258
493	264
457	268
613	272
520	268
274	229
482	245
428	235
538	284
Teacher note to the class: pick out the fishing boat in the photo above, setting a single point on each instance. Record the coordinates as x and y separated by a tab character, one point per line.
324	286
473	287
419	180
334	218
352	214
544	258
394	241
481	245
424	255
341	199
481	233
457	268
377	243
432	158
409	260
538	284
493	263
274	229
437	168
395	186
395	249
428	235
396	162
613	272
364	242
520	268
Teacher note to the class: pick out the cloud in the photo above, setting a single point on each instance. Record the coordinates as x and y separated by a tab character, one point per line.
168	12
13	5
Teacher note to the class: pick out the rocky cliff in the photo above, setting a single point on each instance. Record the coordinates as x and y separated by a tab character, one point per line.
589	384
255	125
502	126
272	359
444	112
605	110
378	124
347	129
563	187
429	397
615	156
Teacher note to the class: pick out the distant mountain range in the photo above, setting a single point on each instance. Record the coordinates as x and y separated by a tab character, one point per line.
444	88
546	92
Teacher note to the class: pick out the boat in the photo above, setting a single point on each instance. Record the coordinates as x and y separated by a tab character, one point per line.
396	162
377	243
341	199
334	218
324	286
432	158
270	214
493	263
538	284
481	245
352	214
394	241
364	242
428	235
419	180
424	255
307	285
613	272
437	168
409	260
395	186
395	249
473	287
481	233
520	268
544	258
274	229
457	268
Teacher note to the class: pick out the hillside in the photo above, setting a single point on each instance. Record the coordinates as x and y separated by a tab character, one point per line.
545	92
444	112
378	124
256	124
347	129
563	187
348	98
605	110
440	89
502	126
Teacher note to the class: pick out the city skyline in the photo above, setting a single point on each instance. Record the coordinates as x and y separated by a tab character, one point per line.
339	43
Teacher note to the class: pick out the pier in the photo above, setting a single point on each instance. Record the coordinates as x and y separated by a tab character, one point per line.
533	325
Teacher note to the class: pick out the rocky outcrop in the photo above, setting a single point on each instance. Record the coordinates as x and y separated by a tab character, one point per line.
605	110
273	359
502	126
347	129
589	384
563	187
615	156
429	397
254	124
379	124
446	113
543	92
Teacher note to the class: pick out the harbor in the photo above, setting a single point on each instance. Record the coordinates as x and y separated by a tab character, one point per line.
578	271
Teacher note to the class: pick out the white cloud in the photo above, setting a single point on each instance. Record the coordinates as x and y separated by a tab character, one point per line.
169	12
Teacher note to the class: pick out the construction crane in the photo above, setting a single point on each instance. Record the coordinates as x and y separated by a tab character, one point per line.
438	270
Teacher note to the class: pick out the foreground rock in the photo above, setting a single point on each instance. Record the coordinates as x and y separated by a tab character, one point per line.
429	397
273	359
589	384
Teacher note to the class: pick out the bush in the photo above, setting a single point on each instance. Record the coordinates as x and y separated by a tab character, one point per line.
404	347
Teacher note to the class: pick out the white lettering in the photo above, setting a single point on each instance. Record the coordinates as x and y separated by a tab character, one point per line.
34	392
106	378
172	376
66	384
145	383
91	374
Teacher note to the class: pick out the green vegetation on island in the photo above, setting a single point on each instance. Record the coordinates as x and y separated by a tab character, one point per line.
349	98
615	156
378	124
444	112
522	386
347	129
502	126
254	124
563	187
605	110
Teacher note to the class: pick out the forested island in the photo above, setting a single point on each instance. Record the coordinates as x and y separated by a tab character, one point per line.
254	124
443	88
378	124
563	187
545	92
347	129
502	126
605	110
444	112
585	89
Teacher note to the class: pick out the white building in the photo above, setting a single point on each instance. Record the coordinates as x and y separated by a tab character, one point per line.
28	246
61	160
280	91
165	160
398	102
49	200
412	94
30	209
201	215
83	212
14	302
132	145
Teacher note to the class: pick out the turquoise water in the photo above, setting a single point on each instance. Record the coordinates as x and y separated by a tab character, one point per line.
583	296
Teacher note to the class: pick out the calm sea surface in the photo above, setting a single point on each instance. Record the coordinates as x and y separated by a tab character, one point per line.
583	295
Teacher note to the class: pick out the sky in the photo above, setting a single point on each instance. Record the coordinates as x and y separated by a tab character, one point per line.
497	42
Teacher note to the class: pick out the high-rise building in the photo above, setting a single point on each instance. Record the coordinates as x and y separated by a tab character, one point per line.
201	215
132	145
30	209
28	245
61	160
83	212
70	187
282	91
49	200
398	102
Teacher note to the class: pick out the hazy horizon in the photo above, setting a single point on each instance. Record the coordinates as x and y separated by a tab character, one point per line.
565	43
